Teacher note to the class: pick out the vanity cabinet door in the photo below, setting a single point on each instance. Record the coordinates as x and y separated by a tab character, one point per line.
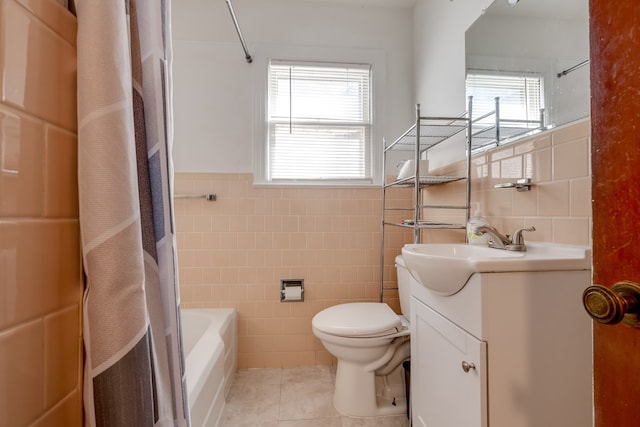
448	373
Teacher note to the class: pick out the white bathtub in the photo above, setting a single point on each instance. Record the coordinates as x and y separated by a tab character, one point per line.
210	350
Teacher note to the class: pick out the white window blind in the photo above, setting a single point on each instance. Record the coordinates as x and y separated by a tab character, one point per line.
520	96
319	121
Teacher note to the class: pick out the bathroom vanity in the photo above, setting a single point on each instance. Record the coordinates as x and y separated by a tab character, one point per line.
507	349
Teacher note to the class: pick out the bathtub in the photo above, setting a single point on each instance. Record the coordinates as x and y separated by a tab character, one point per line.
210	350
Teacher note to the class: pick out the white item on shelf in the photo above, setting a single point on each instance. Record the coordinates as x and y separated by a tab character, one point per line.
408	168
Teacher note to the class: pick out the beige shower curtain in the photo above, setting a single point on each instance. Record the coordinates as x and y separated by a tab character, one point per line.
134	370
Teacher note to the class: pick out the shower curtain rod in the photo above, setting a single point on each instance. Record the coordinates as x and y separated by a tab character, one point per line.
575	67
247	56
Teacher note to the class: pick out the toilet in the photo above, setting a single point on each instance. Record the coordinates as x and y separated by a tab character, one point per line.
369	340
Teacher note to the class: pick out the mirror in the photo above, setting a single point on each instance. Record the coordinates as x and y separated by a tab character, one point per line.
548	38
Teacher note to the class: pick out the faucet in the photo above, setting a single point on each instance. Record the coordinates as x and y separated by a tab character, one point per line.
499	241
517	240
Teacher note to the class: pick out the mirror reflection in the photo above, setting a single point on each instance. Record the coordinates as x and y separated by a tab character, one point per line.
533	55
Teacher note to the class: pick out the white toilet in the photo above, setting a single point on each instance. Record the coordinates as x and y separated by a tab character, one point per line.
368	339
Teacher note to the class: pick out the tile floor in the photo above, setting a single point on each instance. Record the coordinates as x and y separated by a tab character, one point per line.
294	397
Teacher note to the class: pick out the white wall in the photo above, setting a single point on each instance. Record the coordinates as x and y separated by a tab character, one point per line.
541	45
439	54
213	94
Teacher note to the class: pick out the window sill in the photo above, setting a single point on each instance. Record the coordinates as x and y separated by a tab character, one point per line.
317	184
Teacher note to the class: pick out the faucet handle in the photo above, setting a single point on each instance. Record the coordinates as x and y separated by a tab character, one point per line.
517	238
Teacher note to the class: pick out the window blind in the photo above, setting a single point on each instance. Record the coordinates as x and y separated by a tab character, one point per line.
520	96
319	121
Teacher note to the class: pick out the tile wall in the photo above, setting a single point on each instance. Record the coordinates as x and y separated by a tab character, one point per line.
40	268
559	203
233	252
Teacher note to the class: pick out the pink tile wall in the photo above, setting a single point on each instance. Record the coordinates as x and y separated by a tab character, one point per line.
234	252
559	203
40	270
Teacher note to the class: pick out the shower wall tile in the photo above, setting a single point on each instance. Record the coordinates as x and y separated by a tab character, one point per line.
30	47
43	268
68	412
61	173
40	269
56	18
62	358
21	164
21	369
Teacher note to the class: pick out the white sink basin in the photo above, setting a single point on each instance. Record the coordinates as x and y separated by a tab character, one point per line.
446	268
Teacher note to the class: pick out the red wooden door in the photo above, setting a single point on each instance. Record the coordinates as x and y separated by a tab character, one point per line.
615	120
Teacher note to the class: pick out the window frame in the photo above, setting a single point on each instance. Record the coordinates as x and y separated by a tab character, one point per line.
318	55
509	74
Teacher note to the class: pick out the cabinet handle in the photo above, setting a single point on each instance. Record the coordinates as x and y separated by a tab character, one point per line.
621	303
466	366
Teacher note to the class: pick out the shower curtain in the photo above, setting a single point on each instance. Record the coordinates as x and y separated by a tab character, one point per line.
134	368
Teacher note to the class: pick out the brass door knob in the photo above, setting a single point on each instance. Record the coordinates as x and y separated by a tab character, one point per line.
621	303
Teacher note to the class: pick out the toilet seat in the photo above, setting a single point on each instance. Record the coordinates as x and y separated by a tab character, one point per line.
358	320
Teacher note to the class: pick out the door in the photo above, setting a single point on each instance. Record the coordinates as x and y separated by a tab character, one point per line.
615	121
449	384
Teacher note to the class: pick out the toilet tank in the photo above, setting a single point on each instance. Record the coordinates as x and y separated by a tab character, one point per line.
405	281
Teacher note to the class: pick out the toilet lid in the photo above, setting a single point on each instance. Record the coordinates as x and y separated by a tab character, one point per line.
358	319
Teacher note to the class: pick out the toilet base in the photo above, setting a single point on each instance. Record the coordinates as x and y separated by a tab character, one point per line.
355	394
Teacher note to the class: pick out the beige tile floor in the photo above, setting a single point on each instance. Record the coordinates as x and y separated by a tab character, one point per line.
294	397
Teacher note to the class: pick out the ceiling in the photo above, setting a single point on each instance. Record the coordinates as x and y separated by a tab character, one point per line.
557	9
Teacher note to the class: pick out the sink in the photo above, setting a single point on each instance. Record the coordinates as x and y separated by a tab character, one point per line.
446	267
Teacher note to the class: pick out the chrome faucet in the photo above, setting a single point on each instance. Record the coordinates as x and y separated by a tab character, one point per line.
517	240
499	241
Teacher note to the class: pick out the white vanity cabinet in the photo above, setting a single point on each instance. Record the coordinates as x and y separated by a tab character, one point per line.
508	350
457	391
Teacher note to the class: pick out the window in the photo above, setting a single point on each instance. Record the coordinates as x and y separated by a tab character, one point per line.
319	122
520	95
